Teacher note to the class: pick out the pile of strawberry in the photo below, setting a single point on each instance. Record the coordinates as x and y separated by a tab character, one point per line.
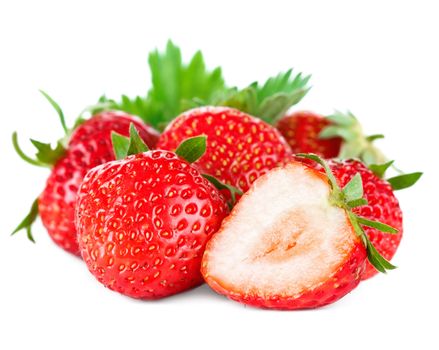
275	210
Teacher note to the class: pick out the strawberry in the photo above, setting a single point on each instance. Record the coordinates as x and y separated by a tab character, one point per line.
334	136
240	148
88	145
143	221
306	248
302	129
382	205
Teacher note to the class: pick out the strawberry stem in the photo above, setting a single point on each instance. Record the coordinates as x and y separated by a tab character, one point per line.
23	155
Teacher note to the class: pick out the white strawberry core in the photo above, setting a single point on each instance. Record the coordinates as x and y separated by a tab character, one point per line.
283	237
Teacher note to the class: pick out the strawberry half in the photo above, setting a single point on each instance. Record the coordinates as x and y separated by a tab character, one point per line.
292	241
88	145
240	148
143	221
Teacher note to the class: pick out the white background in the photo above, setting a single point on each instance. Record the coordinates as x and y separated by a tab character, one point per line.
378	59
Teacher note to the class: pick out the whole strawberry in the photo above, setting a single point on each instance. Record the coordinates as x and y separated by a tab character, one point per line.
240	148
143	221
293	241
88	146
302	129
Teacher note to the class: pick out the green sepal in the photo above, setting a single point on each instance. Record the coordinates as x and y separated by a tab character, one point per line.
378	225
192	148
46	154
357	202
26	223
380	169
120	145
354	188
124	146
136	145
58	110
376	259
404	181
23	155
222	186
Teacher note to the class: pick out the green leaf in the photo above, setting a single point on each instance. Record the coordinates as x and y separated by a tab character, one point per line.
354	188
27	222
174	85
120	145
380	169
192	148
46	154
270	101
376	224
58	110
136	144
22	155
404	181
222	186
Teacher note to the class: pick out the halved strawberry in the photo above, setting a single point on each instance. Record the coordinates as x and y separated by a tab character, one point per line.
292	241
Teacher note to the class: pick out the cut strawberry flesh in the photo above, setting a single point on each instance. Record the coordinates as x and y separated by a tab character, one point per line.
283	238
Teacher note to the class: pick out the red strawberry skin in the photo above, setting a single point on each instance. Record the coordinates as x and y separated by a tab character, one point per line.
89	146
382	206
143	223
301	130
240	148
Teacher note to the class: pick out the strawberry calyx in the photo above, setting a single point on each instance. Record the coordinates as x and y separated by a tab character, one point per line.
190	150
349	197
356	144
46	155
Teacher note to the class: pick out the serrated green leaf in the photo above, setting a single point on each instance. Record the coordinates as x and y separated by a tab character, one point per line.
192	148
136	144
270	101
380	169
354	188
26	223
174	85
222	186
120	145
378	225
404	181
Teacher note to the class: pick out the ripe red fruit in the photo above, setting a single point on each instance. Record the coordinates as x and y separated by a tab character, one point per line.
88	146
240	148
302	129
304	249
382	206
143	223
